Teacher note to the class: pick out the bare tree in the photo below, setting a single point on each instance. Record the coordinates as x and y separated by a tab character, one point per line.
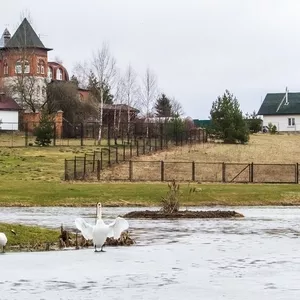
103	67
148	94
131	90
81	72
177	109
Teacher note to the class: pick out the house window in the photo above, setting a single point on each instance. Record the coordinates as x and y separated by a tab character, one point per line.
50	75
291	121
42	66
22	66
58	74
38	69
5	69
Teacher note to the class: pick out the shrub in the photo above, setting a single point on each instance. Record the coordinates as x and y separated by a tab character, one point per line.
170	203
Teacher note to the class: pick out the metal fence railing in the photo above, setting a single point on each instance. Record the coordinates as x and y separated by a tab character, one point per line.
81	168
23	134
138	170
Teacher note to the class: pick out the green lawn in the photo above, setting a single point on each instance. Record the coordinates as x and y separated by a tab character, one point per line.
28	237
35	193
33	176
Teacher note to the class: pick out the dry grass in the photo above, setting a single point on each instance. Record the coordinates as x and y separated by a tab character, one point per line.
208	158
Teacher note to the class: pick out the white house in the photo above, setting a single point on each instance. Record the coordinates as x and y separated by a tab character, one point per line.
282	110
9	113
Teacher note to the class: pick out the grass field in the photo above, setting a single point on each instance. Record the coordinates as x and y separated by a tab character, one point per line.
33	176
28	237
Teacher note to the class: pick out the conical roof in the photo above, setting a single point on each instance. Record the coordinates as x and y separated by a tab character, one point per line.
5	34
25	36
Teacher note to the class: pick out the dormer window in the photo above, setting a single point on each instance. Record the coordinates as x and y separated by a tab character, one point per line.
22	66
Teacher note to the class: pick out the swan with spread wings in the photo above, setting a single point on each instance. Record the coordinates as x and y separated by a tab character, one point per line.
101	231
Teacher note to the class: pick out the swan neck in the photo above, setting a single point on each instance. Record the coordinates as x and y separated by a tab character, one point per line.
99	212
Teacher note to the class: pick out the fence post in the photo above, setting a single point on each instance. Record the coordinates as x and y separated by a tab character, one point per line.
66	170
124	152
223	172
75	173
162	170
252	173
297	173
81	134
101	157
130	170
137	148
109	163
84	166
130	150
98	169
54	133
117	154
26	134
144	146
108	134
94	159
193	171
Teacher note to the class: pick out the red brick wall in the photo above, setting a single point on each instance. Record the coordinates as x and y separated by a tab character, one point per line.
33	119
33	56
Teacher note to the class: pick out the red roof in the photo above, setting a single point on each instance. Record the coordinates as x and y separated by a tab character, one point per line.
8	103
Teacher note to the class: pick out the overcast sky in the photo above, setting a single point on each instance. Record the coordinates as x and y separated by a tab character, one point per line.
197	48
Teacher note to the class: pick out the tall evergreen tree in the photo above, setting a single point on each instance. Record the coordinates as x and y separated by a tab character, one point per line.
94	88
75	80
227	119
163	106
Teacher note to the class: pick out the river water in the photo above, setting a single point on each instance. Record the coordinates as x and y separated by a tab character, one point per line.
256	257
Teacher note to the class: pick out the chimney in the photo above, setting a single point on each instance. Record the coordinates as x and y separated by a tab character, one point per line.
6	36
286	96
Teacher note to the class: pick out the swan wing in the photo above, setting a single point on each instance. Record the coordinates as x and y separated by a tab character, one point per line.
117	227
85	228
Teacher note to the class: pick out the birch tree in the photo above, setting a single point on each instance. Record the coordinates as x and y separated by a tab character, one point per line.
104	68
148	94
131	90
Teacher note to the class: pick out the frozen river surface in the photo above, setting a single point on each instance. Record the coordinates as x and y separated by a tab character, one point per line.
257	257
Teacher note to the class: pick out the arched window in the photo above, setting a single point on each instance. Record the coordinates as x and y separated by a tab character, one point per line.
38	68
42	67
50	73
22	66
58	74
5	68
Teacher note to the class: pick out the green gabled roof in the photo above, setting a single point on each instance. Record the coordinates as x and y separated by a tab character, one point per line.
25	36
202	123
275	104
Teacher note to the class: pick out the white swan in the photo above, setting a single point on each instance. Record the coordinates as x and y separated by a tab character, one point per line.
3	240
99	232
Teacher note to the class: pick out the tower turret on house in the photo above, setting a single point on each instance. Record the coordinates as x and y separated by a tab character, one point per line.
24	65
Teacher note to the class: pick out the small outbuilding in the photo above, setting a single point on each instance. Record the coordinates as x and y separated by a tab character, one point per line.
9	113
